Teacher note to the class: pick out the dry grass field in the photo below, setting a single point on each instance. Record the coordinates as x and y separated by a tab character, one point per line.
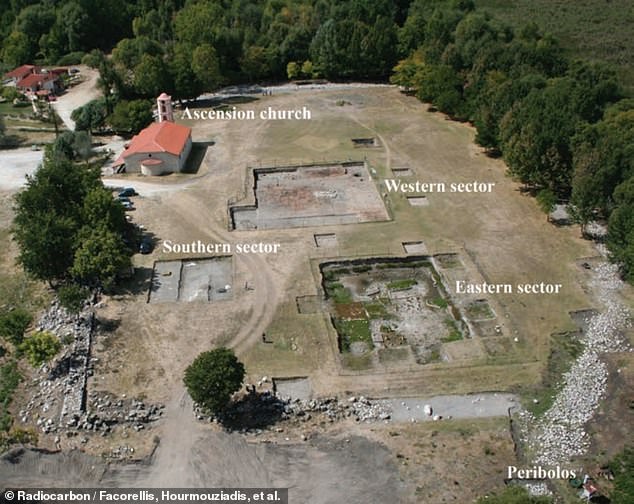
499	237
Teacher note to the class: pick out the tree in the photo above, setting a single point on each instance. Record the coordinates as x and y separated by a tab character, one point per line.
186	83
72	145
253	63
91	116
621	228
100	209
206	67
514	495
72	297
307	69
151	76
603	158
213	377
100	256
67	225
128	52
442	86
196	22
41	347
16	49
546	200
13	325
130	116
292	70
536	135
46	244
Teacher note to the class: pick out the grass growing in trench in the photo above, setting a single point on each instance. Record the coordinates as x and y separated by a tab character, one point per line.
564	349
402	284
351	331
454	333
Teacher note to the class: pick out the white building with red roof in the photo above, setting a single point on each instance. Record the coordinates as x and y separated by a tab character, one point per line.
33	80
39	82
160	148
14	76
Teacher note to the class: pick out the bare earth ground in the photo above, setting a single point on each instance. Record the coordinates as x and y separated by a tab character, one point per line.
15	165
77	96
145	355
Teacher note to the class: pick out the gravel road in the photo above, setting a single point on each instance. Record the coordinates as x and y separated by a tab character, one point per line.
454	406
15	165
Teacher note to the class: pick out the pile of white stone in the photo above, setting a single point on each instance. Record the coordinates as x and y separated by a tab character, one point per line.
560	434
361	409
61	384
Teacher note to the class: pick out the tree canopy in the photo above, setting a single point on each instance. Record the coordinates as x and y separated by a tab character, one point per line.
68	226
213	378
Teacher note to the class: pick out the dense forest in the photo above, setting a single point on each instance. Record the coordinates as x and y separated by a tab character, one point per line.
564	127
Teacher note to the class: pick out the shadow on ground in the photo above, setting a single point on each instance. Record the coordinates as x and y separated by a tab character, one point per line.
253	411
138	283
196	156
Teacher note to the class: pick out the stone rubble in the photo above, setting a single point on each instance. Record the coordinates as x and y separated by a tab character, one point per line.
359	408
60	402
560	434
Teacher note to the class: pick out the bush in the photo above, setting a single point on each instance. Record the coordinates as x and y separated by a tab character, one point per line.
41	347
213	377
72	297
13	325
623	469
9	380
10	93
73	58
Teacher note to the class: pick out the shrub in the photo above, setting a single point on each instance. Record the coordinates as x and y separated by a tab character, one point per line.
73	58
41	347
13	325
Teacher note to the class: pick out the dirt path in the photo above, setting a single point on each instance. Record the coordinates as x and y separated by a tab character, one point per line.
77	96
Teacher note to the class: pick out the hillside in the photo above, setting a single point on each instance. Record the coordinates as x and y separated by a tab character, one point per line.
596	30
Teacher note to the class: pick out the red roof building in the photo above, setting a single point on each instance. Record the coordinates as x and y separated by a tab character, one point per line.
37	81
160	148
20	73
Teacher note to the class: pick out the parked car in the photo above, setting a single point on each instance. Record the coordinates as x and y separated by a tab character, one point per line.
146	246
126	192
127	205
123	199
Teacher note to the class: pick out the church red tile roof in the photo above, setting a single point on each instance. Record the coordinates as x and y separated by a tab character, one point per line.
158	137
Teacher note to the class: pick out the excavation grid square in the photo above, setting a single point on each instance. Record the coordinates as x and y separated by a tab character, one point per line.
402	171
418	200
415	248
325	240
311	195
185	280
